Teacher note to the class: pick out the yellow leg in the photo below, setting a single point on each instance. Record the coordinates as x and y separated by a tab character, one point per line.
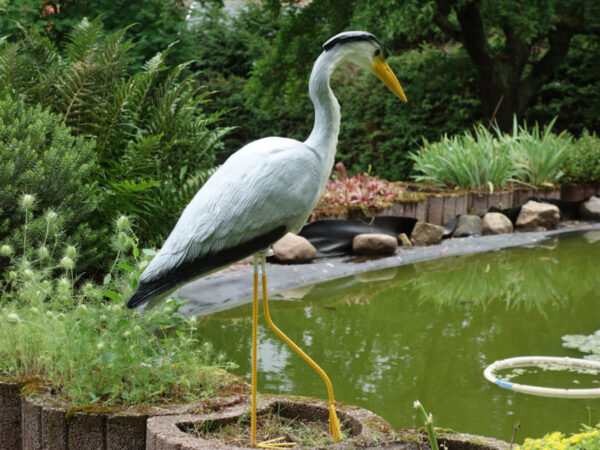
254	353
334	423
273	443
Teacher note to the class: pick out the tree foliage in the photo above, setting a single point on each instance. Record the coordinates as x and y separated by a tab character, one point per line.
156	23
515	47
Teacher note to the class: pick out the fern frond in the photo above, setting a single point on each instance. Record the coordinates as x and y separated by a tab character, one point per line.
83	39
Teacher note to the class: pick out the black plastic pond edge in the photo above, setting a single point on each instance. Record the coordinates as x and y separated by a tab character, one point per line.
226	290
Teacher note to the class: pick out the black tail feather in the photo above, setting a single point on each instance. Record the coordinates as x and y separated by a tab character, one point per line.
190	270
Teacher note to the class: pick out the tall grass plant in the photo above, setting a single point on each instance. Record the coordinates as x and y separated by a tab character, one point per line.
79	337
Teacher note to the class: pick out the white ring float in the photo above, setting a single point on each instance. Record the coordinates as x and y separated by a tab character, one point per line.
527	361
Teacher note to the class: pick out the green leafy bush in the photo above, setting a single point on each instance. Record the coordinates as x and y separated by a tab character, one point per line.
583	160
81	339
40	157
150	127
588	438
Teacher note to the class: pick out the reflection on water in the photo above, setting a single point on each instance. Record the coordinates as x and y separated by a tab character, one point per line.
426	331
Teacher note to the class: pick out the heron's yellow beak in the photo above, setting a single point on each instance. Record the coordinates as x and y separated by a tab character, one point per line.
385	74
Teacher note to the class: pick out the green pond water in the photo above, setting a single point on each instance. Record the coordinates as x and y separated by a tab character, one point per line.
427	331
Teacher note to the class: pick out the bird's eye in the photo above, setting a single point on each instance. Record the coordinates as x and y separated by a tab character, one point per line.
377	52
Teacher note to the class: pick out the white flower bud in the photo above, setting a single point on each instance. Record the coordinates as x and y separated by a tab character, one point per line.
49	314
28	274
71	251
64	283
43	252
12	275
416	404
123	223
27	201
100	345
6	250
51	217
430	418
13	318
67	263
34	310
122	241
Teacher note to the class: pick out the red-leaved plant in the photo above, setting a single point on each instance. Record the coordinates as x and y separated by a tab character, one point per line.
358	190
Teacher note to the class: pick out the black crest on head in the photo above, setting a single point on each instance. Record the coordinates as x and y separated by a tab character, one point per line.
350	36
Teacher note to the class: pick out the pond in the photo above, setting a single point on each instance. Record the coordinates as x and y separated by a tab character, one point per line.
427	331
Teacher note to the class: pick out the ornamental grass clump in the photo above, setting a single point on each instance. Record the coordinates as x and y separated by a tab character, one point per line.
537	155
470	161
490	161
78	336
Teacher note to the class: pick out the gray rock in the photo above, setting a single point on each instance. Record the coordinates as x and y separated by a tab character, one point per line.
292	248
374	244
404	240
468	225
538	215
496	223
426	234
590	209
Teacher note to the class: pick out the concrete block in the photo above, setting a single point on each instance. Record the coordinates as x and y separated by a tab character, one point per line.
54	428
126	432
10	415
31	424
86	431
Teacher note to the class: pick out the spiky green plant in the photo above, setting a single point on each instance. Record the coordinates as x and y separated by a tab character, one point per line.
538	155
469	160
79	337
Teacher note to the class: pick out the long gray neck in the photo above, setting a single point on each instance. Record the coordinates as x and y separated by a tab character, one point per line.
324	135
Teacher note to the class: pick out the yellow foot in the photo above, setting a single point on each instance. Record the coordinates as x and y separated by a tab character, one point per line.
334	425
274	443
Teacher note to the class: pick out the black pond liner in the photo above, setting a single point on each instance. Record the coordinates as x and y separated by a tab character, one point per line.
334	237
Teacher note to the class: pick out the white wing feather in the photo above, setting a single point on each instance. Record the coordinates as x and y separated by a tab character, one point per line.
266	184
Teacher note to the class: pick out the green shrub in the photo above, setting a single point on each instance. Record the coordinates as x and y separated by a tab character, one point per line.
588	438
40	157
583	160
150	128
